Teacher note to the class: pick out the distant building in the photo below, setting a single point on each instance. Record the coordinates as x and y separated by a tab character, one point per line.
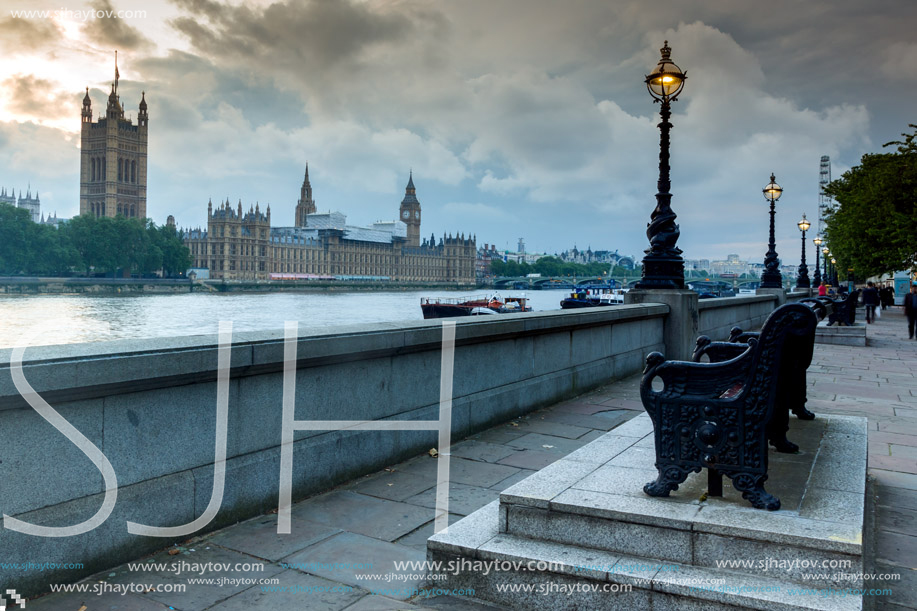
26	202
52	220
241	245
485	257
697	264
599	256
113	158
732	265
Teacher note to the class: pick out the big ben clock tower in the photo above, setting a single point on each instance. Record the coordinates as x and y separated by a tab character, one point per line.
410	212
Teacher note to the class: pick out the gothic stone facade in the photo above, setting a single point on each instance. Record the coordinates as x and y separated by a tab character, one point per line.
241	245
113	158
29	203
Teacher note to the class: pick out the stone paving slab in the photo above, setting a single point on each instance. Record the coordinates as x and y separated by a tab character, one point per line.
383	603
418	538
346	556
108	601
258	537
305	592
547	443
463	499
391	485
461	471
358	513
482	451
531	459
197	596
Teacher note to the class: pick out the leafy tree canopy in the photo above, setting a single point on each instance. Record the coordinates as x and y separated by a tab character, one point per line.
87	244
873	225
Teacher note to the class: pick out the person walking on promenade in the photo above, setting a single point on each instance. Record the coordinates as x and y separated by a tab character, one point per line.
910	310
870	300
822	290
887	295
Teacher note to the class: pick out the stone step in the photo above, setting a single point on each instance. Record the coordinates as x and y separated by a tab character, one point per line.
853	335
594	498
535	574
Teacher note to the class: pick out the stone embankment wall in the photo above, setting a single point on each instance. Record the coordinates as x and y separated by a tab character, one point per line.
149	406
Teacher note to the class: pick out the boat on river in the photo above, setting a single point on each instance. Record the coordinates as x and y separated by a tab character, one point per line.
485	305
593	296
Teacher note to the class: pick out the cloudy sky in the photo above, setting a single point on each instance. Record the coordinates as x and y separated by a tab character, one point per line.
519	118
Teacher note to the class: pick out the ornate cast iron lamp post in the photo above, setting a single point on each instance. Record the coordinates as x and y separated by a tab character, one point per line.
802	280
817	241
825	251
771	278
663	267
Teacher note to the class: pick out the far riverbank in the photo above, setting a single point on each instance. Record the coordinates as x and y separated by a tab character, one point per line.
11	285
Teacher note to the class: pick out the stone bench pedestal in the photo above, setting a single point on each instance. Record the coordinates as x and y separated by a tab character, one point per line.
587	514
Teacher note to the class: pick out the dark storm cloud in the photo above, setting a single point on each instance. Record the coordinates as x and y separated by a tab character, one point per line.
27	34
187	87
111	31
34	97
293	36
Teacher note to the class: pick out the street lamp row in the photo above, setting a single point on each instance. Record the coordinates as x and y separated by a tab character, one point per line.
663	266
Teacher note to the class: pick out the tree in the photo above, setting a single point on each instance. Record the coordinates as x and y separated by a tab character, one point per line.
176	257
873	225
14	233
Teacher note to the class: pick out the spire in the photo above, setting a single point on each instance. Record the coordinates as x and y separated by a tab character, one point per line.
410	193
87	101
143	102
117	75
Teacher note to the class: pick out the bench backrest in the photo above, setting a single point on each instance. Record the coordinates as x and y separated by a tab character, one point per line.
788	328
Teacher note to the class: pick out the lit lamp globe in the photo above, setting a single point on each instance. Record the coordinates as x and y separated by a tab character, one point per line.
826	251
667	79
772	191
817	241
803	224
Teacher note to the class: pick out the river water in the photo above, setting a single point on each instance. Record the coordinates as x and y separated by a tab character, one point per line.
66	319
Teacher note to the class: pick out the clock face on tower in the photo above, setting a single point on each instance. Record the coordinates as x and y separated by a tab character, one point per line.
406	214
417	215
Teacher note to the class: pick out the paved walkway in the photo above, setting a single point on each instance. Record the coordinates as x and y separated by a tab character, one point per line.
343	537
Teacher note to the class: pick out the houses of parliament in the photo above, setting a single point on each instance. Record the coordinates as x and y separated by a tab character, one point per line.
241	245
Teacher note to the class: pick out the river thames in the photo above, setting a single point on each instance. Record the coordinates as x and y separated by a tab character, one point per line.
68	319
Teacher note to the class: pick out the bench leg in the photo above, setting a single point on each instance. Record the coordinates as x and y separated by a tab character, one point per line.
752	489
670	476
779	423
714	483
798	401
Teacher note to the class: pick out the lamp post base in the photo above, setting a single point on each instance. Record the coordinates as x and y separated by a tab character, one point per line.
771	280
662	272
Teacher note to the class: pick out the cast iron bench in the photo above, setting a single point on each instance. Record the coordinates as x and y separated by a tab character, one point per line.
820	307
791	379
844	313
717	415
